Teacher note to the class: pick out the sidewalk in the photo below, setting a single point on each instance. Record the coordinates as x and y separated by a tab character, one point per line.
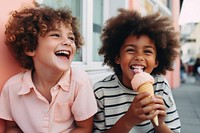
187	98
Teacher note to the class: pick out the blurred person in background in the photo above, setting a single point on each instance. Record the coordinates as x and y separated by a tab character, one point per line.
183	71
196	70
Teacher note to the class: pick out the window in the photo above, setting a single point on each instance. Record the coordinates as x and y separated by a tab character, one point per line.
97	27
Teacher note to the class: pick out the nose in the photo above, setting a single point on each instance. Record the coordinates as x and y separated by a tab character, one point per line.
66	41
139	57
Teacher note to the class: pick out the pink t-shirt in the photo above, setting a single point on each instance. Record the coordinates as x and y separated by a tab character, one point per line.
72	99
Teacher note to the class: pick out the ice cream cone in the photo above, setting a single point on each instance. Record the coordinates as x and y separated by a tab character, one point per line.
148	87
143	82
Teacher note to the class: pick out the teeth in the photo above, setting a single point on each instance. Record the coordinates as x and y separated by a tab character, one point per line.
137	69
63	52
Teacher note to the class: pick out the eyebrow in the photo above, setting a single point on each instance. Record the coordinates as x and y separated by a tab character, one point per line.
58	30
150	46
146	46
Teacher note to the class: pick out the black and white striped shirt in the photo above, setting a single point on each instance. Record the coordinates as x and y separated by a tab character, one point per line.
114	99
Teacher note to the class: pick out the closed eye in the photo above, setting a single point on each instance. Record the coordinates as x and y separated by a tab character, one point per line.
72	38
149	51
130	50
56	35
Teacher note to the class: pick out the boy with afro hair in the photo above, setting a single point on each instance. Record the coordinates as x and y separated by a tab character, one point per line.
130	42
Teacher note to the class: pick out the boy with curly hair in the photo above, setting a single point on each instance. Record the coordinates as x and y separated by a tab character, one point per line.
131	41
49	96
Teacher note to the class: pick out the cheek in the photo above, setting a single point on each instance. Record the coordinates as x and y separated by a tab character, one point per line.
74	49
151	64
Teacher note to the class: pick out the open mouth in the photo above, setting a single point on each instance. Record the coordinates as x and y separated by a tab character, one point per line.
136	69
63	54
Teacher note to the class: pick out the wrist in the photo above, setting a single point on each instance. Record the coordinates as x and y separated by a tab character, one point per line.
162	128
127	122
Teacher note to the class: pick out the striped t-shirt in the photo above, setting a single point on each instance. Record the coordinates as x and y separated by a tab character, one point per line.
114	99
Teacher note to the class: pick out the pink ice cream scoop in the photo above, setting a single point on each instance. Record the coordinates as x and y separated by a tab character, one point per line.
140	79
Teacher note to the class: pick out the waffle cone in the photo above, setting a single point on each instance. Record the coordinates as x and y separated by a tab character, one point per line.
148	87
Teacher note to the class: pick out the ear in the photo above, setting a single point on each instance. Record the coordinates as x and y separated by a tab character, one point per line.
30	53
156	63
117	59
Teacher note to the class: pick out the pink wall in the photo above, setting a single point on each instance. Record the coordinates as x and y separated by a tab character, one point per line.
174	77
8	65
134	4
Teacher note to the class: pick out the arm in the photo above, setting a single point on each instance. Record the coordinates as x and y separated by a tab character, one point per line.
163	128
12	127
83	126
2	125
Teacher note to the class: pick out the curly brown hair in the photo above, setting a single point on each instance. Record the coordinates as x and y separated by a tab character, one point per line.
128	22
24	27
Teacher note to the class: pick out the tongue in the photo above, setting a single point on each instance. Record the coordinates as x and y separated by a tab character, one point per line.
62	57
137	70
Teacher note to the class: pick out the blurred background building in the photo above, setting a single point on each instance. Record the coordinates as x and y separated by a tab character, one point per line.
190	32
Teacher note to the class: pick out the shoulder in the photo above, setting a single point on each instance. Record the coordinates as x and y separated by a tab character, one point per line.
15	82
161	84
107	82
159	79
79	73
18	78
162	88
107	86
79	76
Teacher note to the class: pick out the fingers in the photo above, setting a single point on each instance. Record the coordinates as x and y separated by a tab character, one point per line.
148	105
141	96
144	108
140	102
151	115
135	111
142	105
